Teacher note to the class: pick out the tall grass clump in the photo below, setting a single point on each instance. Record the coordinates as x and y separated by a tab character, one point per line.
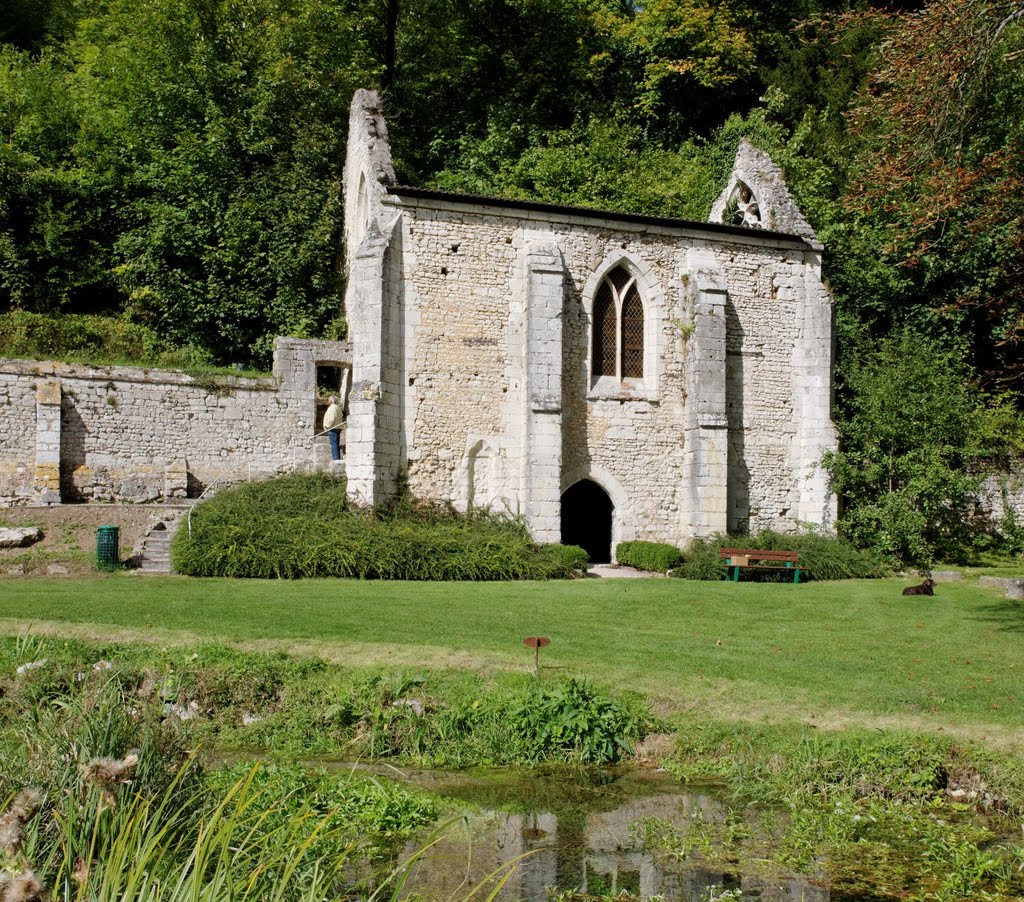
302	526
103	797
240	841
657	557
822	557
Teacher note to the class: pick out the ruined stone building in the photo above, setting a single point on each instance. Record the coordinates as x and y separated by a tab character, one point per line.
606	376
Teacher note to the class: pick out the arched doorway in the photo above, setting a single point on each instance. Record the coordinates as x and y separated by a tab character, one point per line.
587	520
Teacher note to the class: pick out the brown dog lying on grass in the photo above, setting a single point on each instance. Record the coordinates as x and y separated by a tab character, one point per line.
924	589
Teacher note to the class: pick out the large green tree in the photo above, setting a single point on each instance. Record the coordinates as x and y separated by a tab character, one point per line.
911	465
238	116
179	160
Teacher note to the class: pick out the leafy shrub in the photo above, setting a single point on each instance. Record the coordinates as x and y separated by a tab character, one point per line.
821	557
302	526
655	556
701	561
563	561
826	557
574	721
90	338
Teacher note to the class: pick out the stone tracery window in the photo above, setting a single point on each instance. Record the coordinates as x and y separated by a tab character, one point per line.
743	208
618	327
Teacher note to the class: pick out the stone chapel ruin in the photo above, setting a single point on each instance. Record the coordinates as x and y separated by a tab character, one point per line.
606	376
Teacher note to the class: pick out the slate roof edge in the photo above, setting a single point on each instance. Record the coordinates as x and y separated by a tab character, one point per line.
594	213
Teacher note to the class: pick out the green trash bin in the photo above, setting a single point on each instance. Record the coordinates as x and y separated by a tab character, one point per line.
108	555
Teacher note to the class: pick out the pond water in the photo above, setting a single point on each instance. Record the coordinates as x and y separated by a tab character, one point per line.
572	830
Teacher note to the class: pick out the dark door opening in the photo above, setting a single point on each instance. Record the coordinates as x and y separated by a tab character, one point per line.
587	520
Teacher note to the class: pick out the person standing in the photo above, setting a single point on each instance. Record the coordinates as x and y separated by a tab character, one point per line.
332	425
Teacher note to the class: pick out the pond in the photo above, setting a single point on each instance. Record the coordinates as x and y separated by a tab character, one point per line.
574	830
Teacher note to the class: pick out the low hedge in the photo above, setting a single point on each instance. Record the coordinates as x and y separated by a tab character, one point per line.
303	526
655	556
821	557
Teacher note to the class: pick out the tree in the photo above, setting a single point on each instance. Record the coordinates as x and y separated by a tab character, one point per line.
688	55
938	166
55	220
232	142
917	443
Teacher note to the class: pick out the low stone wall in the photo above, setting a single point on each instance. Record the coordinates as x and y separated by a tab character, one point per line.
70	432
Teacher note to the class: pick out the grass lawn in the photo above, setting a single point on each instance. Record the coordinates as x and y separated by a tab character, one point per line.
830	654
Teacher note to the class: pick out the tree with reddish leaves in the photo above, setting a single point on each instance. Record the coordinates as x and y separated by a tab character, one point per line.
938	170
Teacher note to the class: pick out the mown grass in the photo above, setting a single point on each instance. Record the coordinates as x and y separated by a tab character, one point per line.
831	654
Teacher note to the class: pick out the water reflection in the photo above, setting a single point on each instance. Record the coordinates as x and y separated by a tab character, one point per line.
575	833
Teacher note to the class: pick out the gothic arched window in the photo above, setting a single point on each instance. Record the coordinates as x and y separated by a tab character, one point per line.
618	327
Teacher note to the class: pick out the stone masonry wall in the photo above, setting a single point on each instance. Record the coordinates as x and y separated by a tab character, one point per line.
761	324
471	327
463	375
1002	494
129	434
17	435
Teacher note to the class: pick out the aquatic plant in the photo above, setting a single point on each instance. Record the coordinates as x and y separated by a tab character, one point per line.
573	720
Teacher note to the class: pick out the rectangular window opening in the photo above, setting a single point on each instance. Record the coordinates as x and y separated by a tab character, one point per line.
330	380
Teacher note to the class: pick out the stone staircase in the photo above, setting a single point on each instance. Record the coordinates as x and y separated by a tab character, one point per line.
153	554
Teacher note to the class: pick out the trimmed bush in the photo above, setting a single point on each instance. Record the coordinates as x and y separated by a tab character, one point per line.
564	561
302	526
821	557
655	556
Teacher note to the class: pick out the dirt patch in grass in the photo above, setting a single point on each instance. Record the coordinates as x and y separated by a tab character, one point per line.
68	546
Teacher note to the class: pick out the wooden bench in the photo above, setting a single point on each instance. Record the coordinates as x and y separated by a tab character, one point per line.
737	559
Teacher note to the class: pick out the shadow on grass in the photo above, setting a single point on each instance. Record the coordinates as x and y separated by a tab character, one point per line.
1008	613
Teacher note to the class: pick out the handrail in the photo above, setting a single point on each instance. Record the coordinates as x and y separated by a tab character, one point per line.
231	469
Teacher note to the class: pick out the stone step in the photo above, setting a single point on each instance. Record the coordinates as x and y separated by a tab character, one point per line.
155	554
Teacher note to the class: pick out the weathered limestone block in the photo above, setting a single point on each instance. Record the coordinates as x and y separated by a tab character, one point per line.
176	479
544	282
946	576
19	536
757	196
705	456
